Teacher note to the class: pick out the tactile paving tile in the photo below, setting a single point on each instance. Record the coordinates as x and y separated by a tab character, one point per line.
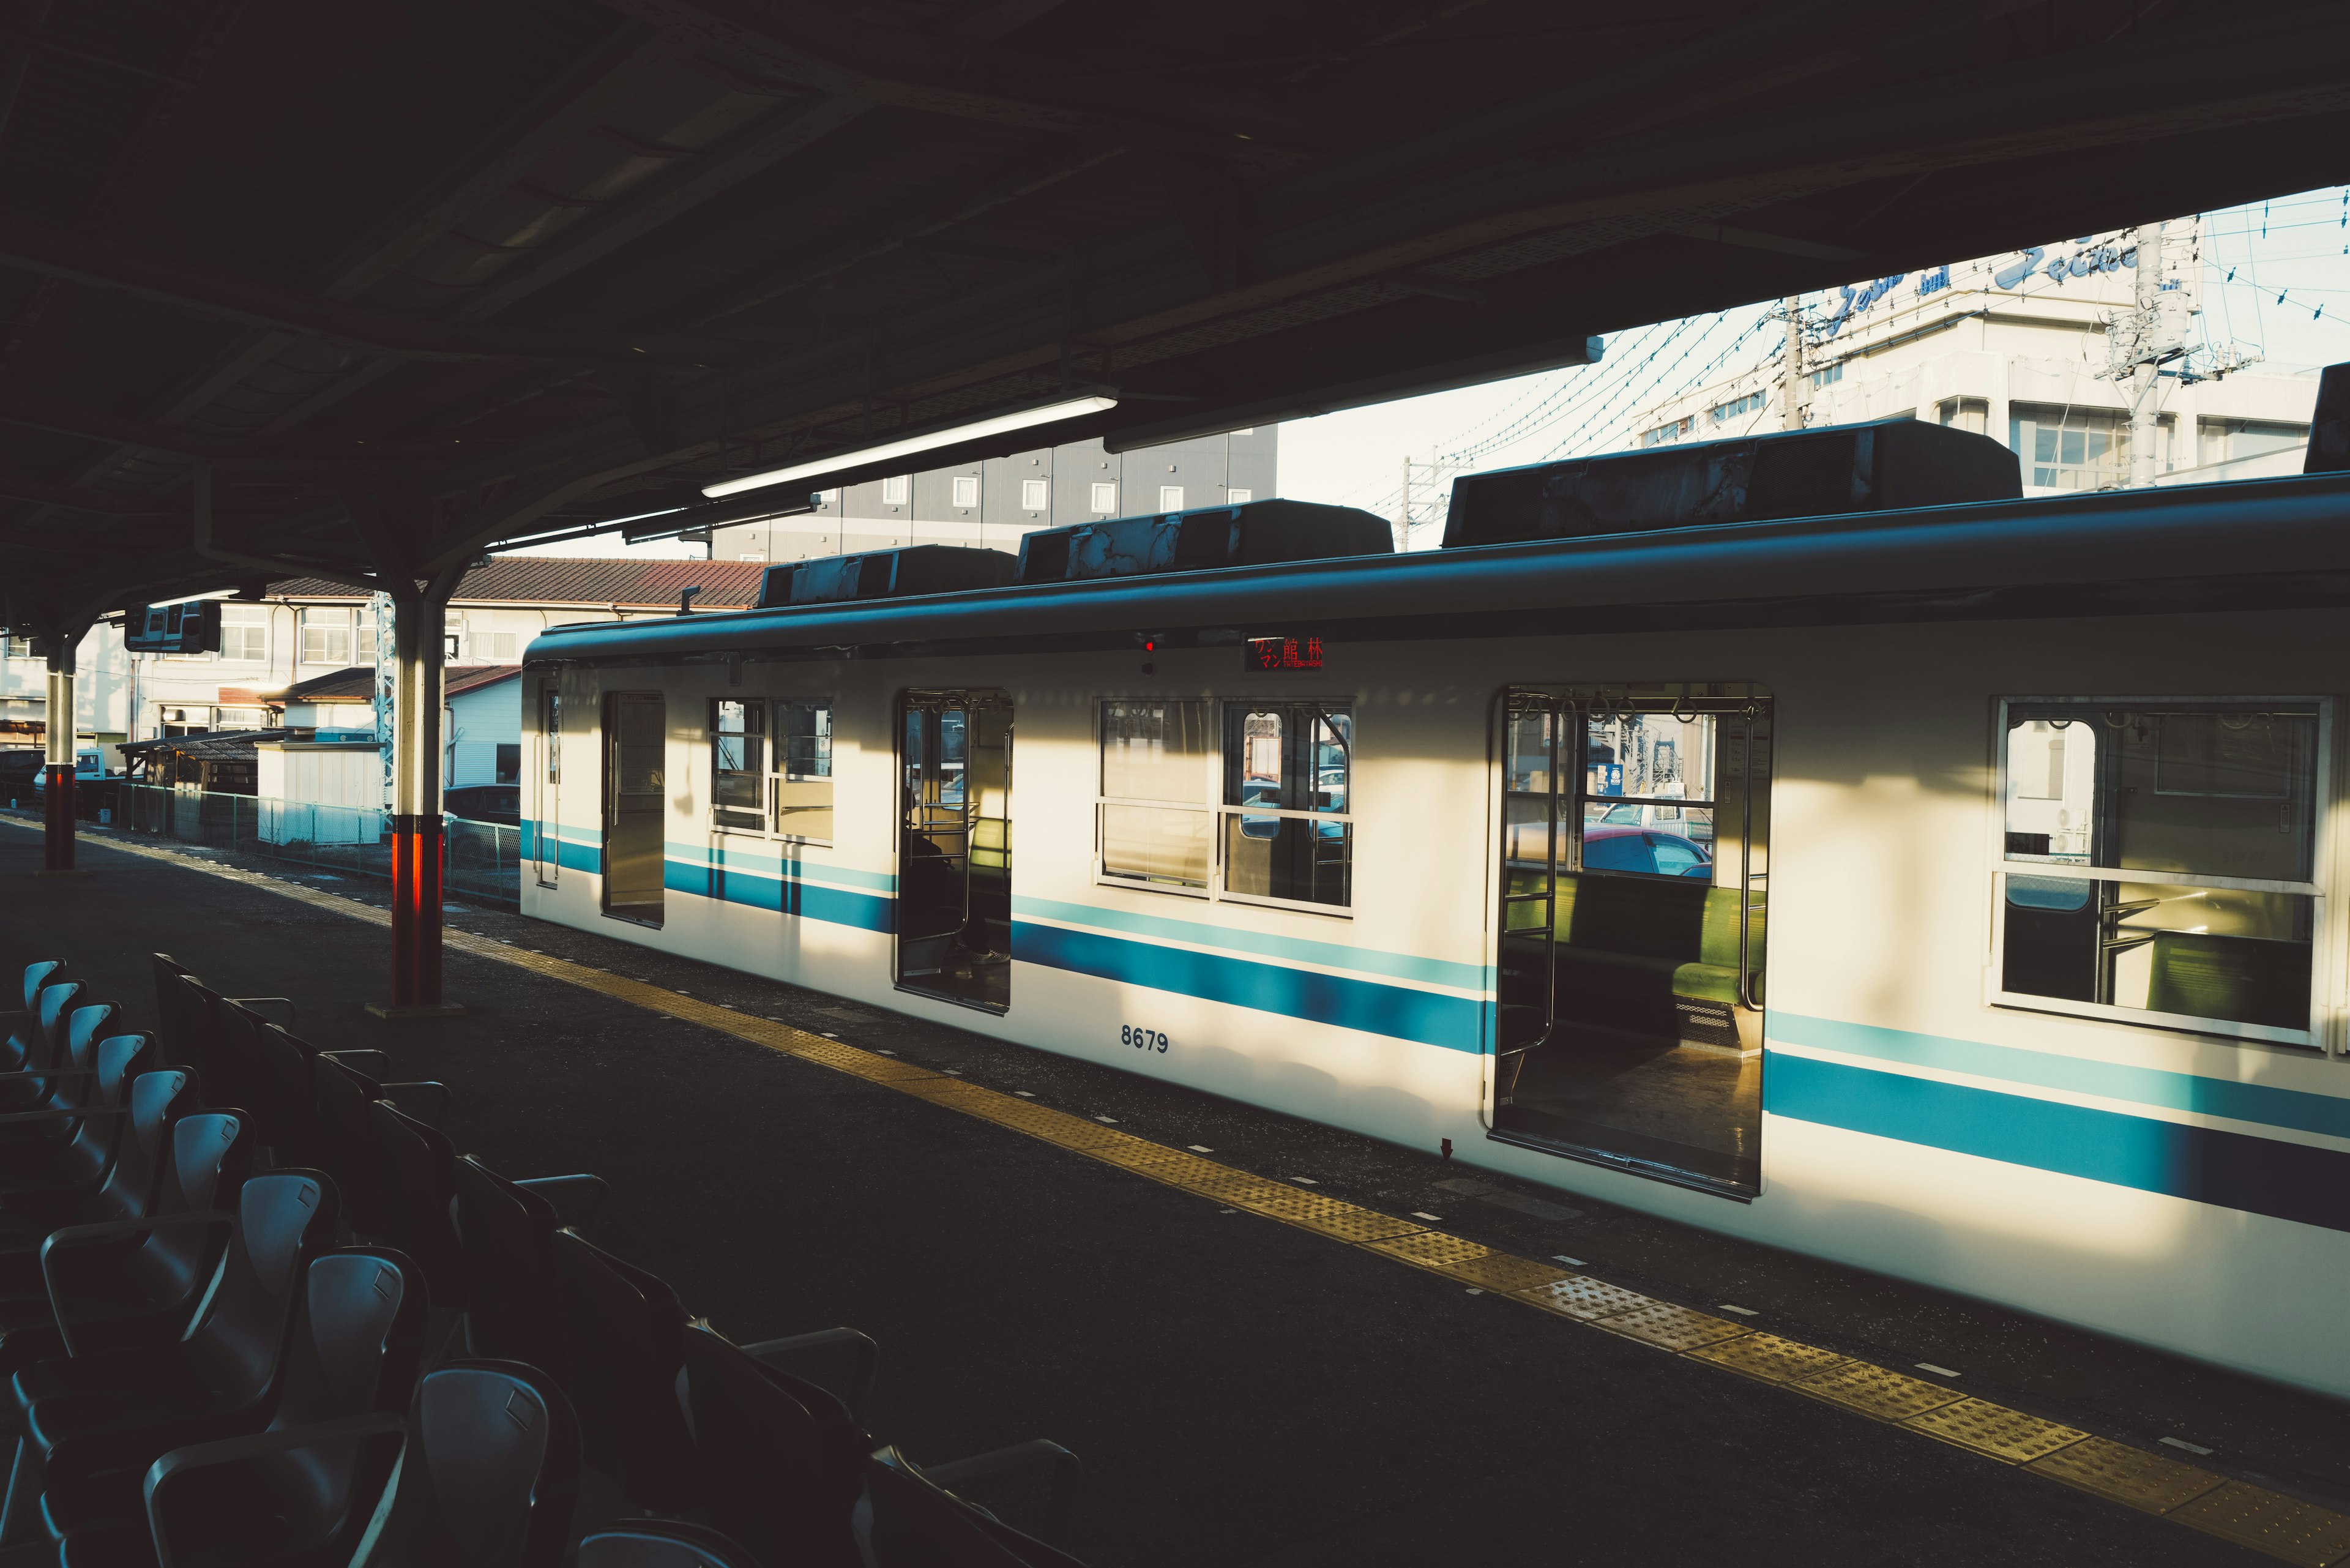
1500	1272
1052	1127
953	1093
1769	1358
2270	1522
1430	1249
2126	1475
1876	1391
1160	1162
1227	1186
1324	1216
1994	1430
1674	1327
1578	1297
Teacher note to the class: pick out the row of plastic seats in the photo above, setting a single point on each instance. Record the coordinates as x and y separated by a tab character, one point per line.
572	1361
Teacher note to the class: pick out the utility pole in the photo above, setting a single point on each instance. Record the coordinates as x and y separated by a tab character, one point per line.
2139	344
1792	400
1429	480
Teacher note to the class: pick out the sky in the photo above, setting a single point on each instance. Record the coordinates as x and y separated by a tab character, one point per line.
2275	284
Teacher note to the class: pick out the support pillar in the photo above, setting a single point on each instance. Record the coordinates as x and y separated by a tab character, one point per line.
57	793
418	850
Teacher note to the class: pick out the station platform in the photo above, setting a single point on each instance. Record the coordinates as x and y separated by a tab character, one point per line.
1241	1391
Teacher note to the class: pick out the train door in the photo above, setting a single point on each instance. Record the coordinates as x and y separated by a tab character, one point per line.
954	847
636	804
545	810
1634	882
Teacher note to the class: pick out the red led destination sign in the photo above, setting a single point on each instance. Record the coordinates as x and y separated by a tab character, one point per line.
1269	653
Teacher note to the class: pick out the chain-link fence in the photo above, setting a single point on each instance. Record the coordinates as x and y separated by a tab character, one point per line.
483	858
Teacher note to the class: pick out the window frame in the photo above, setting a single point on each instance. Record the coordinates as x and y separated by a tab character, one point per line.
259	622
772	774
1095	503
760	770
302	629
777	774
1212	805
2324	1031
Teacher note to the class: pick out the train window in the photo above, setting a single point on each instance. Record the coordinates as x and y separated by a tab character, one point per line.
1156	762
2159	862
1647	793
803	770
1288	829
738	764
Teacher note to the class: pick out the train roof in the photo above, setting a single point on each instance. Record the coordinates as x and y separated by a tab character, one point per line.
2262	544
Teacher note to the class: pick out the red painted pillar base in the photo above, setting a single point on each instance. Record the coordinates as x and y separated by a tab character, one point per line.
57	820
417	860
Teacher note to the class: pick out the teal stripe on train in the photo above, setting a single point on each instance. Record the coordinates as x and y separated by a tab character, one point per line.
1298	950
1427	1017
2216	1166
2265	1104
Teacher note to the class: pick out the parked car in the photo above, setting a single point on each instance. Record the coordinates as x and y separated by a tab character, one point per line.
484	803
1611	847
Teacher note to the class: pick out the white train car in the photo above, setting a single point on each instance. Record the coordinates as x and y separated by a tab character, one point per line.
1940	886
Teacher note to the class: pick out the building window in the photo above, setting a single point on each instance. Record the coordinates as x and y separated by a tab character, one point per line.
895	491
244	633
1170	498
2077	449
509	762
825	500
1670	431
22	647
2229	441
1969	414
327	637
966	490
751	556
1828	375
497	647
804	785
1245	429
2159	863
1105	500
738	795
1721	413
1035	496
1157	766
1287	827
1239	496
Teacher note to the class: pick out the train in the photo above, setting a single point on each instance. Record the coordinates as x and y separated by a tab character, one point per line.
1811	837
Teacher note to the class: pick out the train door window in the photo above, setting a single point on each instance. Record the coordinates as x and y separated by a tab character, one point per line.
546	830
804	771
738	765
954	848
636	804
2158	863
1288	828
1634	880
1157	764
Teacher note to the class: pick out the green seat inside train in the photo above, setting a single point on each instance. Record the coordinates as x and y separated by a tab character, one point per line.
2246	979
1629	947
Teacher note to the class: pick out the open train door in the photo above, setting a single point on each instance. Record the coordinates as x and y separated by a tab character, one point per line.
1632	878
954	847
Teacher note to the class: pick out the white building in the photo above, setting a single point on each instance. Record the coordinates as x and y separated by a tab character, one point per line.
2014	347
997	502
309	628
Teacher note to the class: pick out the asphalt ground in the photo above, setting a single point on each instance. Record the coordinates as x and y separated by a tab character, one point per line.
1241	1392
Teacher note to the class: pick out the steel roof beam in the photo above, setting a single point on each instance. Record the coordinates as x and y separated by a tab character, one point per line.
217	293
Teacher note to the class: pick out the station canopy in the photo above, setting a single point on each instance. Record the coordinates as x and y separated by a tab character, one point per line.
403	283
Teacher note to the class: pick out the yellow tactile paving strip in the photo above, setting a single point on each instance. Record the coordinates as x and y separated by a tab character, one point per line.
2269	1522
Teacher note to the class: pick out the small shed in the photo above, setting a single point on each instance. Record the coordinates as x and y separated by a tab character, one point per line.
320	790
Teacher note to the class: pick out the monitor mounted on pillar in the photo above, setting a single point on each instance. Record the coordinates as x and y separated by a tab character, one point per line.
193	626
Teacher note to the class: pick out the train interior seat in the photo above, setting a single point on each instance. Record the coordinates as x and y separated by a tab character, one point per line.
1656	956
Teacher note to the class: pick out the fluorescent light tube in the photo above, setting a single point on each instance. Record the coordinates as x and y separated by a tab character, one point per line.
1068	408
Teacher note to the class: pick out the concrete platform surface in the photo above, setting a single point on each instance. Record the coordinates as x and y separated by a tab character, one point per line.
1241	1392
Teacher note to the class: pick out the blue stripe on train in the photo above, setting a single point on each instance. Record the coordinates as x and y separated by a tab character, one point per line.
784	895
1430	1018
2203	1165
